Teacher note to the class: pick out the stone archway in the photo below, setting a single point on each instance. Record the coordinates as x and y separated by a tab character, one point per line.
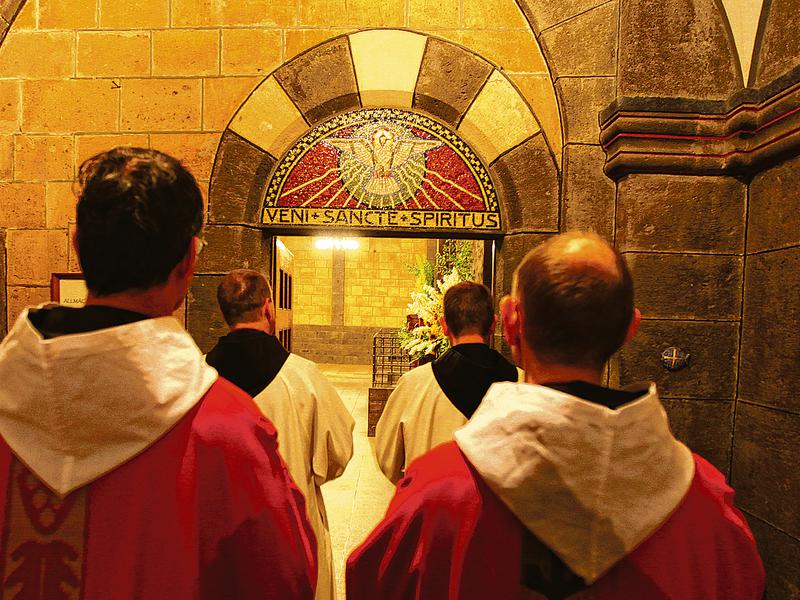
378	68
390	69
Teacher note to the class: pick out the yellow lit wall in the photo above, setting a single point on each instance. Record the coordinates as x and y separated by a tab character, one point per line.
311	282
377	282
77	77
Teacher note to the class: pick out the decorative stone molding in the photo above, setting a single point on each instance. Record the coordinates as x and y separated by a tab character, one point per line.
752	130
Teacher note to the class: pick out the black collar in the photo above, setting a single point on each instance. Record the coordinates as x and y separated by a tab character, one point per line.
248	358
55	321
608	397
465	372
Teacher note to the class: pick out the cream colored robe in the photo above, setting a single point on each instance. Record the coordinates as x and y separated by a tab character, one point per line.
315	439
417	417
590	482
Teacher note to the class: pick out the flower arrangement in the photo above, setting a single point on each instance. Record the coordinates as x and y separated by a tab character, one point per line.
427	338
423	335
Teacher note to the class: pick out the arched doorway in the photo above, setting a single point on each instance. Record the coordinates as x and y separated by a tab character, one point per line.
423	77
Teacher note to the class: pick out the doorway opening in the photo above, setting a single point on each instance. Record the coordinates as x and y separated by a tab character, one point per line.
332	295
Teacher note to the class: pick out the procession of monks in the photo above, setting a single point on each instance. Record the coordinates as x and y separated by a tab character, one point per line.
134	467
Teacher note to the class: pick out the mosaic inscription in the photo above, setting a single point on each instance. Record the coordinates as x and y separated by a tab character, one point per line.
382	168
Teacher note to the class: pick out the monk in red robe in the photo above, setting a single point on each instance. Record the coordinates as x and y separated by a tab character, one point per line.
128	468
559	487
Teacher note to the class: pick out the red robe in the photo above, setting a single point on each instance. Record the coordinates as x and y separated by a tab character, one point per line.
447	535
207	511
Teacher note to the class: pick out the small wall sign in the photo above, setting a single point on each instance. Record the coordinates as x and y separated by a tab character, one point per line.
68	289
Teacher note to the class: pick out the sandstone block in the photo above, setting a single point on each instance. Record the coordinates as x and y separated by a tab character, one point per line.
117	54
322	81
6	157
498	119
134	15
681	212
300	40
478	14
60	201
61	106
204	13
3	296
770	336
161	104
424	15
186	52
589	196
10	107
53	52
250	51
25	19
511	51
195	150
345	13
33	255
764	469
540	93
67	14
43	158
269	118
20	298
22	205
87	146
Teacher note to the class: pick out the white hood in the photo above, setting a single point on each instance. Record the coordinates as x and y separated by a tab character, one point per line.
591	483
74	407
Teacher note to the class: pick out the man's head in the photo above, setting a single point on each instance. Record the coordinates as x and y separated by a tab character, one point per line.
137	217
245	298
468	311
571	303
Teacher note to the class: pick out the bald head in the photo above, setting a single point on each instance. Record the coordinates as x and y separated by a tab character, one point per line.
242	295
576	300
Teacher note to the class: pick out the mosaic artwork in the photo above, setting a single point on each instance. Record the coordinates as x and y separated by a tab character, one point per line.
382	168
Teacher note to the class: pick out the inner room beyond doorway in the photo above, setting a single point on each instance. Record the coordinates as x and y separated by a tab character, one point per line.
347	289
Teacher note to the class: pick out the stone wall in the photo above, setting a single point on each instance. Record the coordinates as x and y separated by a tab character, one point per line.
378	283
706	212
312	282
767	422
334	344
683	238
342	297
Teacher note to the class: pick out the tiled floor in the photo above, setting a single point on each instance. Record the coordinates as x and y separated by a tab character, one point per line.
357	500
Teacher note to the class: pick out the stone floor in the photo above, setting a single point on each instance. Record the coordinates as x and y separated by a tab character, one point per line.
357	500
